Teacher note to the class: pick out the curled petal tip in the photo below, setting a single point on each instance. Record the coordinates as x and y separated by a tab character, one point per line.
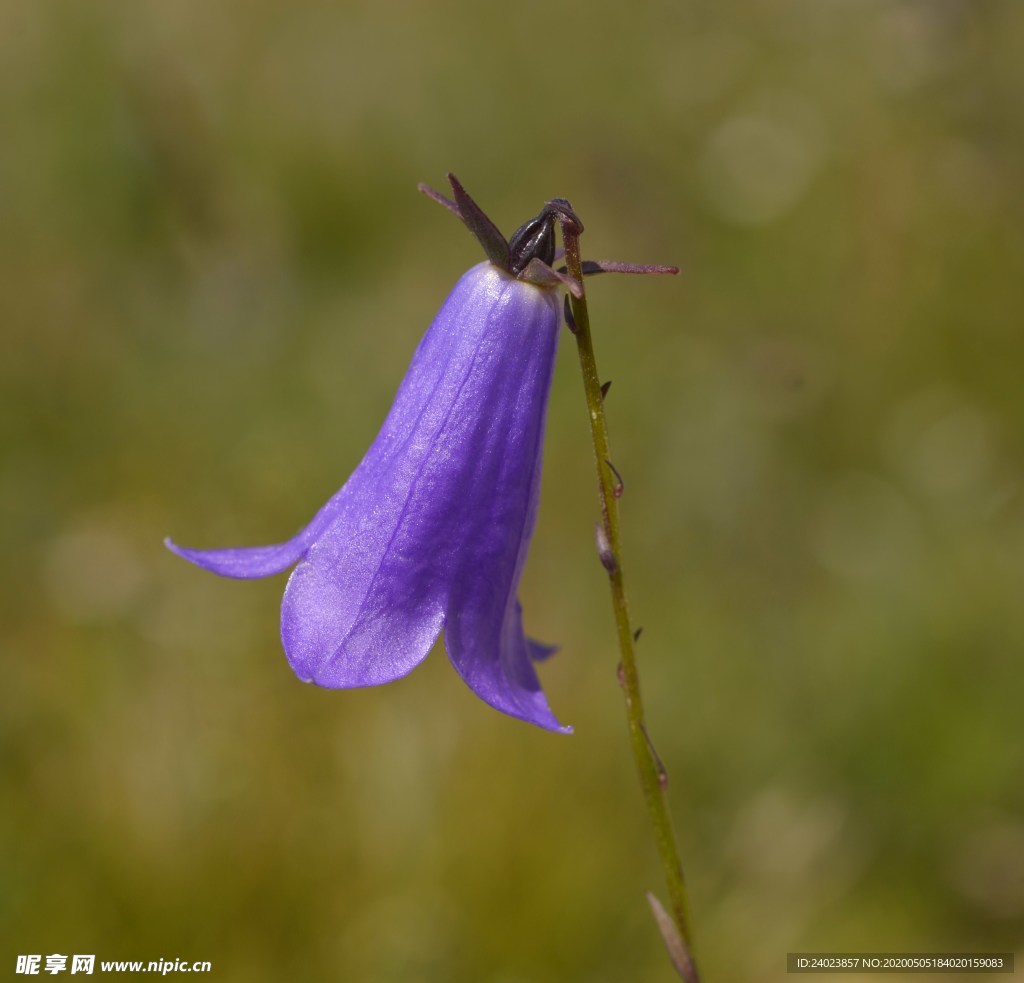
182	551
247	563
539	652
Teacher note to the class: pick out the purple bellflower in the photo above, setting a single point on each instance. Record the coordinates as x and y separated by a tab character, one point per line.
432	529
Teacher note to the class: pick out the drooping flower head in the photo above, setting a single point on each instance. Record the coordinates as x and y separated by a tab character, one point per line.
431	531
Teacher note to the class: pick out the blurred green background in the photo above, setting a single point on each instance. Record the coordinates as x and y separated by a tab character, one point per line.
214	267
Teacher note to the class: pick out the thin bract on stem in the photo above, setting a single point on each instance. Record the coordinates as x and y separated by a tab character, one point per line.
675	924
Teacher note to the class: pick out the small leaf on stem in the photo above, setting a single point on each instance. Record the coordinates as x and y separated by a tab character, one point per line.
659	765
619	486
604	549
677	950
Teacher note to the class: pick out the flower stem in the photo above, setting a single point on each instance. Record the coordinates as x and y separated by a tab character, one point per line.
652	775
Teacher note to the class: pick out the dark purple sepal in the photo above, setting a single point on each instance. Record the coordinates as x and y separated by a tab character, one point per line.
425	189
486	232
594	266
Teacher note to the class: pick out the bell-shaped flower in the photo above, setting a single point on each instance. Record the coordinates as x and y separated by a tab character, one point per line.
432	529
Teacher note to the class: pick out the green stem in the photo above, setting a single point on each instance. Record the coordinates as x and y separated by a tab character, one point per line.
652	775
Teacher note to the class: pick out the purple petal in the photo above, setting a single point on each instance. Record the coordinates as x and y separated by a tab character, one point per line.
484	634
500	669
